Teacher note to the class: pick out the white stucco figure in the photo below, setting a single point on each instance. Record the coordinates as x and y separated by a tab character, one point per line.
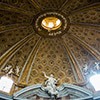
85	69
7	68
17	71
97	67
10	71
51	84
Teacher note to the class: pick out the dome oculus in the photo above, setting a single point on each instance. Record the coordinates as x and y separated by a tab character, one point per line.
51	23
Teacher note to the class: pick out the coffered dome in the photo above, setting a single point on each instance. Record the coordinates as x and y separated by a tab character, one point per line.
61	37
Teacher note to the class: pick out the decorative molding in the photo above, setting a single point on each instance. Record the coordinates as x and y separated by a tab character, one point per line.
92	26
74	63
74	92
11	27
85	8
15	9
64	4
93	51
8	54
35	4
28	63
